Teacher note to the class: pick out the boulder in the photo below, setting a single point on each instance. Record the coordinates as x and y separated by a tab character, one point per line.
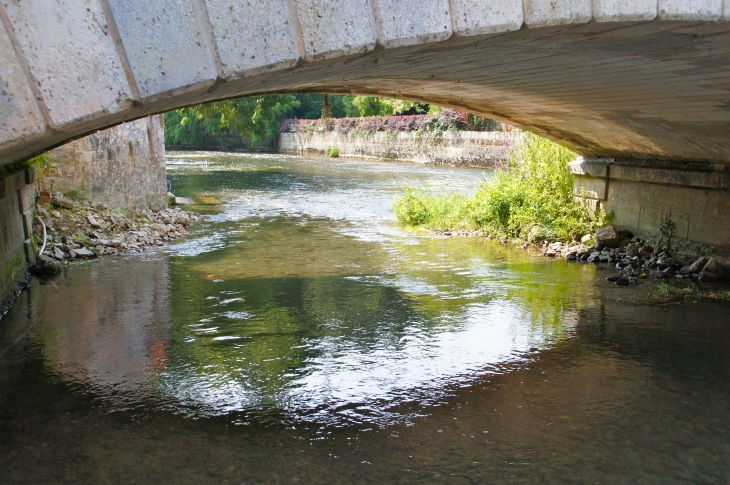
83	253
585	239
159	228
713	266
62	202
46	266
696	267
707	276
182	219
93	222
594	257
632	250
607	237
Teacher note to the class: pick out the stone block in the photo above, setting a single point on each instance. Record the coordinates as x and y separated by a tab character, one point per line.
624	10
19	114
624	216
690	10
408	22
625	193
595	187
165	44
477	17
332	28
710	230
718	203
252	35
543	13
650	221
684	199
71	55
592	167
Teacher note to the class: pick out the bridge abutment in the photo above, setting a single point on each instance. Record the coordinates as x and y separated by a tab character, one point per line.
641	194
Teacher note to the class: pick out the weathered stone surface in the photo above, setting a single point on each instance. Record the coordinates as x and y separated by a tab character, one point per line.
476	17
331	27
182	219
46	266
624	10
62	202
608	237
632	250
165	44
713	266
252	35
123	166
72	57
695	9
407	22
473	149
19	114
183	201
541	13
84	253
708	276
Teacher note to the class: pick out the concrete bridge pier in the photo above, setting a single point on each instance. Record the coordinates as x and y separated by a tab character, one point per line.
640	194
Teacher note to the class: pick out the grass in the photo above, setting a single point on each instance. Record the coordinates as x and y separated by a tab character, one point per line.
530	197
333	152
665	294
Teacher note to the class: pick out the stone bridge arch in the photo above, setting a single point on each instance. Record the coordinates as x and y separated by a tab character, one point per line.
647	79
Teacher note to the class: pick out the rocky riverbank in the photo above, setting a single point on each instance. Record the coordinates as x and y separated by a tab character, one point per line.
77	230
635	260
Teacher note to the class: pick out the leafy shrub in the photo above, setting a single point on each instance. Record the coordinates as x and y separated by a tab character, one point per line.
528	197
333	152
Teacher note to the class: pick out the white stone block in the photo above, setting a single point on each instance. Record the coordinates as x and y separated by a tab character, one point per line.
252	35
407	22
543	13
477	17
165	44
331	28
624	10
690	9
70	53
19	114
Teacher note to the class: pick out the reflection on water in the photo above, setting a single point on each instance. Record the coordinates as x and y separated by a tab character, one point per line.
299	335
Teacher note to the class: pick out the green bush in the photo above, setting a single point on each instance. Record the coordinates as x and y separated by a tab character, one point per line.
528	197
333	152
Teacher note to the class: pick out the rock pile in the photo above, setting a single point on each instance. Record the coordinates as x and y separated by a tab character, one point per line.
79	230
635	260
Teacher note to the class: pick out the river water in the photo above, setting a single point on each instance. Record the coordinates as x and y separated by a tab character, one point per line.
299	335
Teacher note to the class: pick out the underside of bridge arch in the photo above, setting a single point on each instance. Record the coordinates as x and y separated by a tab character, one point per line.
608	78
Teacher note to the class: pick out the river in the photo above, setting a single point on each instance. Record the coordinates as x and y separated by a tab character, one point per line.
299	335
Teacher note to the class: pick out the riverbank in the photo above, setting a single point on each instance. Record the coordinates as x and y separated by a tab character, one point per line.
80	229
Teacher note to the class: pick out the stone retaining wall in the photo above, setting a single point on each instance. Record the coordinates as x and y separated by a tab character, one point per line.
463	148
640	193
16	249
122	166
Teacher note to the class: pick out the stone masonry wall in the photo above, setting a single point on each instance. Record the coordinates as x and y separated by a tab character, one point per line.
16	248
122	166
640	193
464	148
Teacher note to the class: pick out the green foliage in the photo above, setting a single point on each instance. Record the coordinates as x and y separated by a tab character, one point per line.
529	197
256	118
333	152
75	195
664	290
364	106
666	231
326	108
41	163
